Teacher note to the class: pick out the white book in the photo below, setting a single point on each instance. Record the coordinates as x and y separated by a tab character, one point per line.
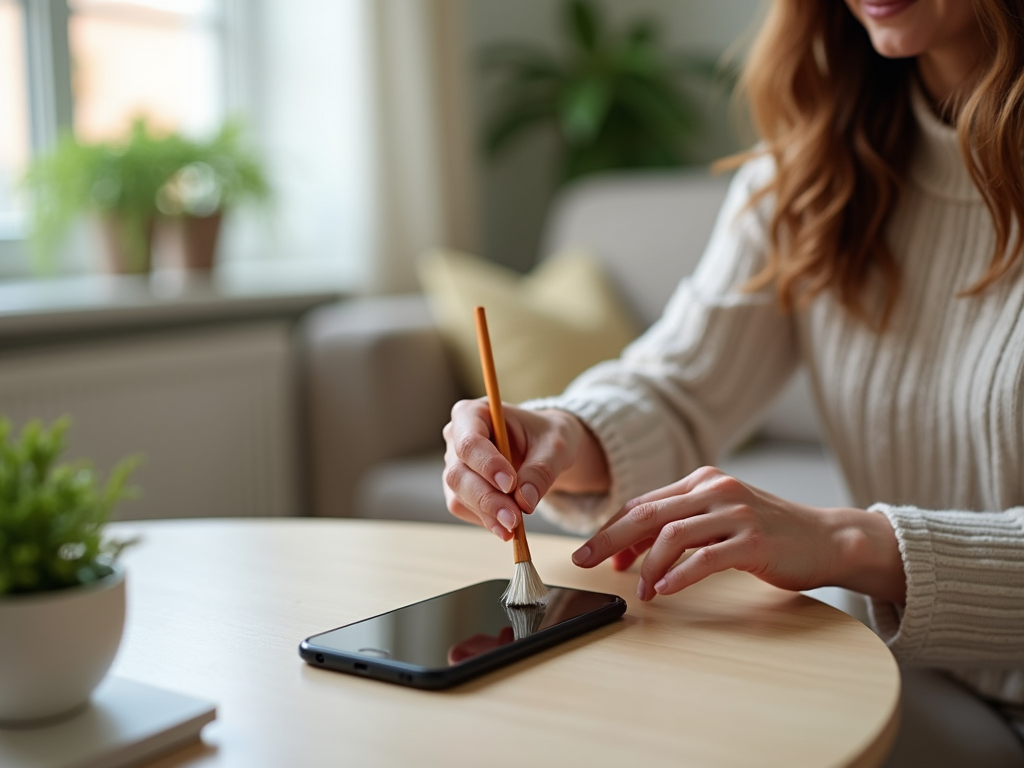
126	722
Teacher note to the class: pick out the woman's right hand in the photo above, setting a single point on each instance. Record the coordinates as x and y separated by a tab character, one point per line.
481	487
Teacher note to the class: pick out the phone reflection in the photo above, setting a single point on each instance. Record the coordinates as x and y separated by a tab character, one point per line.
524	620
446	630
479	643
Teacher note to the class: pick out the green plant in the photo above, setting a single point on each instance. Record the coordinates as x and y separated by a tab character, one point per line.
615	102
52	516
133	181
212	175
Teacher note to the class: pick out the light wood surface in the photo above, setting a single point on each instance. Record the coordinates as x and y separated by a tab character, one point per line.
731	672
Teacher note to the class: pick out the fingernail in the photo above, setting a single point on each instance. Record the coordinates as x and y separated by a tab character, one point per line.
504	481
529	496
499	532
581	555
507	518
641	589
661	586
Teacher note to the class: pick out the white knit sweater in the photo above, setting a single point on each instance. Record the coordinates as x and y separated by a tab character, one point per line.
926	418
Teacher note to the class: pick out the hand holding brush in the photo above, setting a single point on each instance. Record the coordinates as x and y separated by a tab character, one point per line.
526	586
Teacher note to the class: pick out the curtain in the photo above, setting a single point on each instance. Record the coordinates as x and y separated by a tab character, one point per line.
422	145
360	108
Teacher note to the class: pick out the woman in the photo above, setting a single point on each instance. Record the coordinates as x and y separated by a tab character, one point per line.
873	237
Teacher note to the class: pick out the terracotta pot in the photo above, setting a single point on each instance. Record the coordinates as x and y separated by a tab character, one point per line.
187	242
118	253
55	648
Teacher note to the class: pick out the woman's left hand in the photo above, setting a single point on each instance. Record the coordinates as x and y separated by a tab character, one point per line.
734	525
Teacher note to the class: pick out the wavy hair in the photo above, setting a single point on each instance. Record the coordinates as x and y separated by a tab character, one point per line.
835	116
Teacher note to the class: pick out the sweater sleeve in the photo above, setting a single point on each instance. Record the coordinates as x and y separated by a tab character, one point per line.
965	591
695	382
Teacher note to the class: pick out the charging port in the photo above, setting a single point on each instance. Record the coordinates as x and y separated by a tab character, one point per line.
360	667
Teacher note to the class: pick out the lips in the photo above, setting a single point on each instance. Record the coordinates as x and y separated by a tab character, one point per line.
884	9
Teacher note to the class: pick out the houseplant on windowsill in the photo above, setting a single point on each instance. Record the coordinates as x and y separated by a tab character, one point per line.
62	592
115	182
139	186
217	174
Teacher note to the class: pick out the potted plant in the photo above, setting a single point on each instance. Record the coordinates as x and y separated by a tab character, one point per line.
62	592
130	186
615	102
213	175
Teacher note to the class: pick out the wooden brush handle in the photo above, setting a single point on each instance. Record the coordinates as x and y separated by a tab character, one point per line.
520	549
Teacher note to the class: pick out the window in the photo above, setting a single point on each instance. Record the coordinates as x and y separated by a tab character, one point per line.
15	142
93	66
158	59
296	72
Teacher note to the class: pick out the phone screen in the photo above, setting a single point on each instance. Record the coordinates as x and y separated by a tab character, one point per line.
451	629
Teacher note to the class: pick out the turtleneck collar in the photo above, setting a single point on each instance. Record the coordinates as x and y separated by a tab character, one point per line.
937	165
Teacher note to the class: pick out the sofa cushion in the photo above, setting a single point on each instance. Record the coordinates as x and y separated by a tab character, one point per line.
647	228
410	487
546	327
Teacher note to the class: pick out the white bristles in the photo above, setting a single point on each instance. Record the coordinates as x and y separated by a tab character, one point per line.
526	587
525	619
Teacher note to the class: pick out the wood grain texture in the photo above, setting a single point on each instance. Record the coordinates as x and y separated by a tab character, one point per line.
731	672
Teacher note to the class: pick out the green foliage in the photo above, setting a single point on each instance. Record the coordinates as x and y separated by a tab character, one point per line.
615	102
52	516
135	180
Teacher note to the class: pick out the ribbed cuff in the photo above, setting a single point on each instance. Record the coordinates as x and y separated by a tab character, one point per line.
905	628
636	452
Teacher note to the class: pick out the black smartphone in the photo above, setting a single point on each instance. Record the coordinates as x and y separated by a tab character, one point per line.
448	639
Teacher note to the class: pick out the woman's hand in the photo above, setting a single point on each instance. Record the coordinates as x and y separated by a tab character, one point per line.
733	525
549	446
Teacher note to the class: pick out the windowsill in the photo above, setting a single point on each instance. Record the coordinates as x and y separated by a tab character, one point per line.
33	311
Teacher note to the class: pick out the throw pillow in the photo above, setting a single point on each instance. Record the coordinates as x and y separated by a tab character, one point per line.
546	327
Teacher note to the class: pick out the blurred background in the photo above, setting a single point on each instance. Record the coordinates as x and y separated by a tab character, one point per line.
369	117
216	221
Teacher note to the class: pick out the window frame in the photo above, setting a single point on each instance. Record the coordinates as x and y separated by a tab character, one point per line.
48	67
51	99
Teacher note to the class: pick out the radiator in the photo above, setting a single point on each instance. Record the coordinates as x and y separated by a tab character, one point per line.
211	411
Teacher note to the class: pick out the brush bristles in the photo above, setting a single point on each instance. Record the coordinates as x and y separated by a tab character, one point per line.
525	619
526	588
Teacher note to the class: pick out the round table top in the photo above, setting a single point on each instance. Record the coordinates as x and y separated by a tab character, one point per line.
730	672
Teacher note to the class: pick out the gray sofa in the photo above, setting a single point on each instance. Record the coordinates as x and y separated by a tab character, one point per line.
380	383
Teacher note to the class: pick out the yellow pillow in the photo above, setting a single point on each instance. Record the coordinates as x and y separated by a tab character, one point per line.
546	327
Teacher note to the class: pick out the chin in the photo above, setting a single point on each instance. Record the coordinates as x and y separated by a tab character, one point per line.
896	44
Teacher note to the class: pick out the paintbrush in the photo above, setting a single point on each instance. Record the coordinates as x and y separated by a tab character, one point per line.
526	587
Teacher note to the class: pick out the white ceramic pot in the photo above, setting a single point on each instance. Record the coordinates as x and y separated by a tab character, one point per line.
55	647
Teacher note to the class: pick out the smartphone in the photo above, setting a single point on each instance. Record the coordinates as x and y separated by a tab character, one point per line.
448	639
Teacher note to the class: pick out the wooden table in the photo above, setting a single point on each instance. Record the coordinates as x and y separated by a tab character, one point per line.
732	672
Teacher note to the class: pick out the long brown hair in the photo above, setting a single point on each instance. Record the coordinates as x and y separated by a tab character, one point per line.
835	115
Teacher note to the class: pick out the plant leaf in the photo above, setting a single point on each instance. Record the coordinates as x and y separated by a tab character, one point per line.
584	25
583	109
51	516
